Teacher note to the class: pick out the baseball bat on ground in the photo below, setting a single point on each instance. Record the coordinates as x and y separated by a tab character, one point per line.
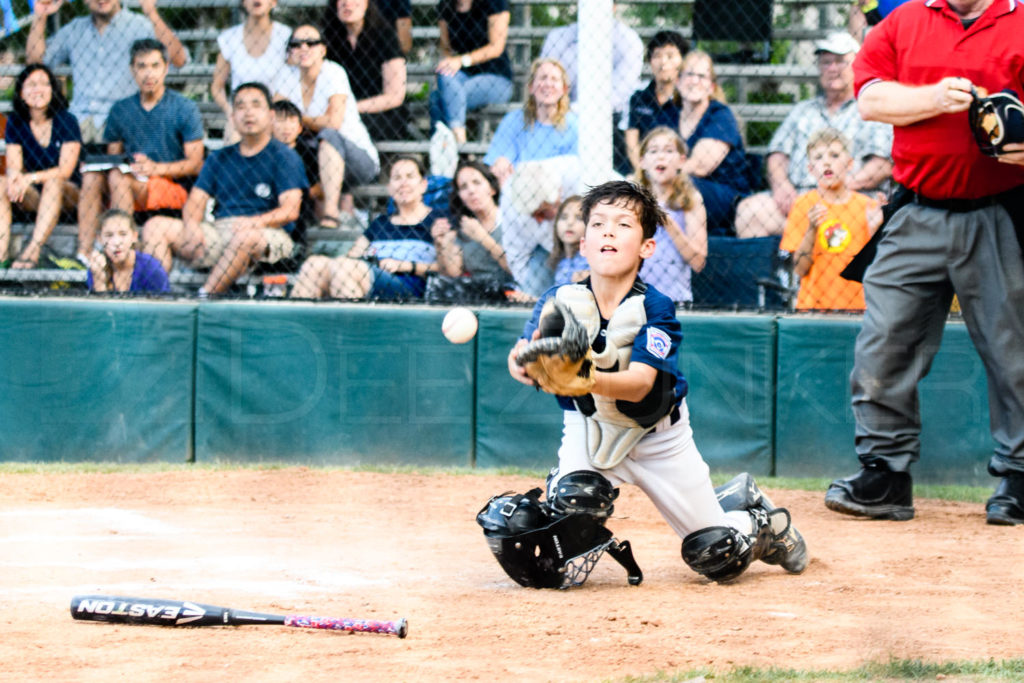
158	612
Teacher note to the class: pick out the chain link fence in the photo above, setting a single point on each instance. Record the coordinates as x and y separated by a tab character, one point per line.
402	151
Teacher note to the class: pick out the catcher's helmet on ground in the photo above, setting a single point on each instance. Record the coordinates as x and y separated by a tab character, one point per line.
539	548
996	120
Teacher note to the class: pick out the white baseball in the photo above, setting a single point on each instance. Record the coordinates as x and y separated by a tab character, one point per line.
459	325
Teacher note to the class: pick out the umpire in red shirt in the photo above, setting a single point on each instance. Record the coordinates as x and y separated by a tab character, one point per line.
954	234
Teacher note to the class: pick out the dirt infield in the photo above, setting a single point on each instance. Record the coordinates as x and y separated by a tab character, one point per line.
942	587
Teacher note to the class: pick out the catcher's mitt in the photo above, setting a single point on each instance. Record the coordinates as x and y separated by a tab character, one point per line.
559	361
996	120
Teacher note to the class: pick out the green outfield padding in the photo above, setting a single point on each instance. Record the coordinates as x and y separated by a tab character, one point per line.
99	380
729	363
727	359
517	425
331	384
815	428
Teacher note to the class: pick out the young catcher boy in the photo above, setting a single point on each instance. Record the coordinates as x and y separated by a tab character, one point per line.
607	348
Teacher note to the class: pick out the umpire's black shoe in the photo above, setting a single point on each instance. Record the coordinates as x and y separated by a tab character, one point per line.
875	493
1006	506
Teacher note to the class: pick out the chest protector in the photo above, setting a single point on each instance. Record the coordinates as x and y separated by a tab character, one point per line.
610	435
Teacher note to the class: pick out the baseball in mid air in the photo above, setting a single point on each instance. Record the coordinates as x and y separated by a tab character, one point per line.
459	325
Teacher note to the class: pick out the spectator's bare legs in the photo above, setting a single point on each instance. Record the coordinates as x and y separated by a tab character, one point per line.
246	246
124	190
332	173
351	279
47	206
314	278
163	237
6	218
90	206
758	216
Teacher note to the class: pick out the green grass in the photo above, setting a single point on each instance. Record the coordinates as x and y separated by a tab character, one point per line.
893	670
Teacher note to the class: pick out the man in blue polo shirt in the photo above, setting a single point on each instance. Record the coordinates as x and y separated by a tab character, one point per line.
161	131
257	186
97	48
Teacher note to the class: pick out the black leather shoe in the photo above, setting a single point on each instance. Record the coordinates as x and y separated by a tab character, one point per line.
1006	506
875	493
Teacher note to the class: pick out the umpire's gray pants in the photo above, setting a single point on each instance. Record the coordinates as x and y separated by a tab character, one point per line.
925	256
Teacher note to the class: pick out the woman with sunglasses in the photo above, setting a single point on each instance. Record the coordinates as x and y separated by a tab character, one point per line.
251	52
331	124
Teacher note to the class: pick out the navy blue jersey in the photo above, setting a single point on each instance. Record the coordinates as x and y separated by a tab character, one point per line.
656	344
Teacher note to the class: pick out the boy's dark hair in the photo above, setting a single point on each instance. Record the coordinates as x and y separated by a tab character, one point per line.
57	100
144	46
637	198
286	108
252	85
663	38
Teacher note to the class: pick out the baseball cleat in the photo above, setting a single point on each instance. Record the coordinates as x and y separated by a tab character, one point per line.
1006	506
787	547
874	493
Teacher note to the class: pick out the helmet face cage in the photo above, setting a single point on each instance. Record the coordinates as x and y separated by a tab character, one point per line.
560	555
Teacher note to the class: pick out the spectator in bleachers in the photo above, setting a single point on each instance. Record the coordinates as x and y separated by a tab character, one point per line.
250	52
717	163
469	241
287	129
399	13
682	242
566	260
331	125
764	213
828	226
659	103
43	143
367	48
257	185
544	128
474	69
563	43
161	131
98	48
529	201
391	259
117	266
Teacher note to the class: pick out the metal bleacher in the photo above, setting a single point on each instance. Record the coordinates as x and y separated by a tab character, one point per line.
524	39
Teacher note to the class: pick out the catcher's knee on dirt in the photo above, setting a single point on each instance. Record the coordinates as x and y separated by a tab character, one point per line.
582	491
720	553
539	548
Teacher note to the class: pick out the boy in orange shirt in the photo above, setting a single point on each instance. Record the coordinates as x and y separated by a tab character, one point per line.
828	226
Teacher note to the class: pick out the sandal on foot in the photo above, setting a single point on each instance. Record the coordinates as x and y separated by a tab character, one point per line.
329	223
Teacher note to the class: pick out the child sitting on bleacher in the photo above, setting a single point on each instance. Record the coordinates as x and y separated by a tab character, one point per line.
682	242
119	266
566	260
828	226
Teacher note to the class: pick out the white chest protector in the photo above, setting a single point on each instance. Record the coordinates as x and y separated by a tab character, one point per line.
611	435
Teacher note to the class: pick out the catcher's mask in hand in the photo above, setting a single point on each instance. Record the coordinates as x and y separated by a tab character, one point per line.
996	120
